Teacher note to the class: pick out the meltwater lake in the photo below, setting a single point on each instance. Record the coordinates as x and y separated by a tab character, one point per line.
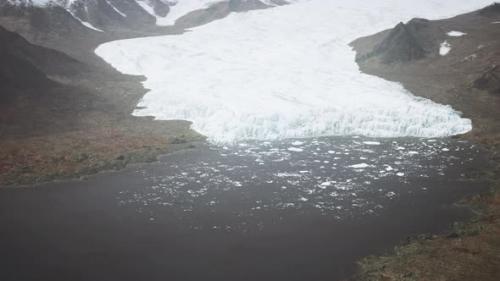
285	210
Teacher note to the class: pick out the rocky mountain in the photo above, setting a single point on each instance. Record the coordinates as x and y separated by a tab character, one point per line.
119	15
491	11
17	71
76	27
410	41
31	96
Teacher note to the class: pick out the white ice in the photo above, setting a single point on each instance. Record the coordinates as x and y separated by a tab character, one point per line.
371	142
88	24
445	48
456	34
116	9
360	166
286	72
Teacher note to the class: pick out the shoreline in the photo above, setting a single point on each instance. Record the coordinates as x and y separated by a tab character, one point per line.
470	250
72	155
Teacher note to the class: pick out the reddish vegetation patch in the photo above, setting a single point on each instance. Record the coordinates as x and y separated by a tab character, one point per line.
77	153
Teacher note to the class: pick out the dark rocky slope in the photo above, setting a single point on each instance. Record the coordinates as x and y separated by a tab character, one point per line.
64	111
60	117
465	78
28	96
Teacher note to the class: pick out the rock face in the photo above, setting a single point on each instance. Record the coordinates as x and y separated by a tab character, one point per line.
491	11
401	45
489	80
18	71
29	100
16	47
218	11
412	41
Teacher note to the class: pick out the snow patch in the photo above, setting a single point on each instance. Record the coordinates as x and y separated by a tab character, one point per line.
116	9
445	48
89	25
183	7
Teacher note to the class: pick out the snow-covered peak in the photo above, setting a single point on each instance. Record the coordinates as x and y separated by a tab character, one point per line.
180	8
166	12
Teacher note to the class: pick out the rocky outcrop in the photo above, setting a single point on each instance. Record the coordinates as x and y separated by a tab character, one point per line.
491	11
401	45
412	41
221	10
489	81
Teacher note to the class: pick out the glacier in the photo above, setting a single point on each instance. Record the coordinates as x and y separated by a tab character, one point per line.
285	72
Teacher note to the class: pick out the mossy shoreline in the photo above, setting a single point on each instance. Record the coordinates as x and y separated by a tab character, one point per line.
469	251
76	154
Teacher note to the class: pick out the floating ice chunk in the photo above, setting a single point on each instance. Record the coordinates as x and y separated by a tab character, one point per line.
325	184
295	149
371	142
360	166
400	174
390	194
456	34
445	48
445	149
342	187
413	153
297	143
288	175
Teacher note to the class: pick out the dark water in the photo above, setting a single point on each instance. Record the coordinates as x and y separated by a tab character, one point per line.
290	210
